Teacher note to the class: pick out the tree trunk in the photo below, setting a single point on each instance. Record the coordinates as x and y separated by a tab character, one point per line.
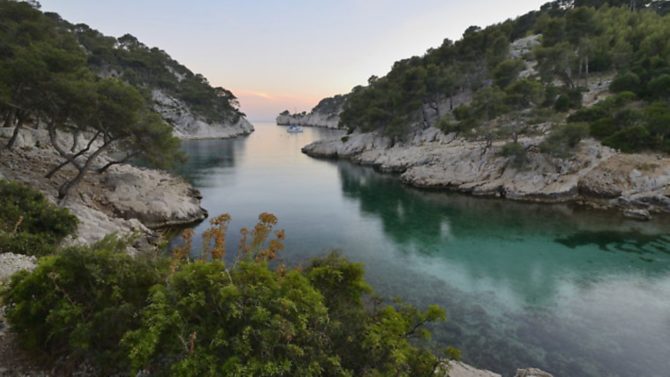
71	159
587	71
65	188
19	123
9	118
103	169
75	141
436	106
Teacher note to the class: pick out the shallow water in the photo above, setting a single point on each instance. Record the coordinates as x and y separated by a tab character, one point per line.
575	292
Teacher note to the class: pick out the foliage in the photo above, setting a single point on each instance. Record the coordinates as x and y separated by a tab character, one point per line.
507	71
564	139
44	75
79	302
222	314
625	82
142	66
29	224
624	122
330	105
516	153
578	39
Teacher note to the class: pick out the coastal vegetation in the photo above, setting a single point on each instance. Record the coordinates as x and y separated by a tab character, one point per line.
94	93
329	105
568	47
29	224
220	314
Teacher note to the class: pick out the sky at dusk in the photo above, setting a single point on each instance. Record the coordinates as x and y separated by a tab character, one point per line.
288	54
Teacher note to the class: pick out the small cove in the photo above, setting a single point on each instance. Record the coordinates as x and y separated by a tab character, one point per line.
573	291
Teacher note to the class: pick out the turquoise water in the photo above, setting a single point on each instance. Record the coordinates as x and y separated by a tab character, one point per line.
572	291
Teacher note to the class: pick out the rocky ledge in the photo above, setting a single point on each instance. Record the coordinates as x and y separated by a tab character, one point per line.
124	200
595	175
309	120
187	125
460	369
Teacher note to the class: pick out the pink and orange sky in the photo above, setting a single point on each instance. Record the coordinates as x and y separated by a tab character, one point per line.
276	55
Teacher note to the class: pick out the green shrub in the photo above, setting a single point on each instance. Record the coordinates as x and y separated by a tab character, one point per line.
603	128
516	153
626	82
80	302
562	103
524	93
29	223
251	322
206	318
507	71
659	87
563	140
631	139
26	243
18	201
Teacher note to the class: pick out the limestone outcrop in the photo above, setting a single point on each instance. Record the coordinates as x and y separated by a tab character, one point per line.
325	114
188	125
124	200
595	175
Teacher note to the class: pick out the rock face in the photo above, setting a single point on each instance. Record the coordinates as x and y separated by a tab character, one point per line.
325	114
11	263
595	175
459	369
190	126
125	200
532	372
310	120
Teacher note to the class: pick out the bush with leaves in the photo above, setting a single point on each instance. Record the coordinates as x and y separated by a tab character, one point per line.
240	315
77	304
564	139
29	223
625	82
516	153
624	122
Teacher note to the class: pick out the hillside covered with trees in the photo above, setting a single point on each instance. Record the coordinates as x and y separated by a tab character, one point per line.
577	45
96	94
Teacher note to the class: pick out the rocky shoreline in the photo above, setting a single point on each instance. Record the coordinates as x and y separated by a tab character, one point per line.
124	200
187	125
309	120
597	176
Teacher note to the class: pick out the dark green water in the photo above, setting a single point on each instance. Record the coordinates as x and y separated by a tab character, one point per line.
571	291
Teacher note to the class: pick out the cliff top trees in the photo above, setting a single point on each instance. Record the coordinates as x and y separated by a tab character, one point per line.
44	75
577	41
116	115
34	54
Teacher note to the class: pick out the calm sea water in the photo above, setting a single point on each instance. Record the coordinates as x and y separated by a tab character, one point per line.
572	291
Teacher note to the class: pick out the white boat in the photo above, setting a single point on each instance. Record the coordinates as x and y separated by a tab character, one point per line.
294	129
